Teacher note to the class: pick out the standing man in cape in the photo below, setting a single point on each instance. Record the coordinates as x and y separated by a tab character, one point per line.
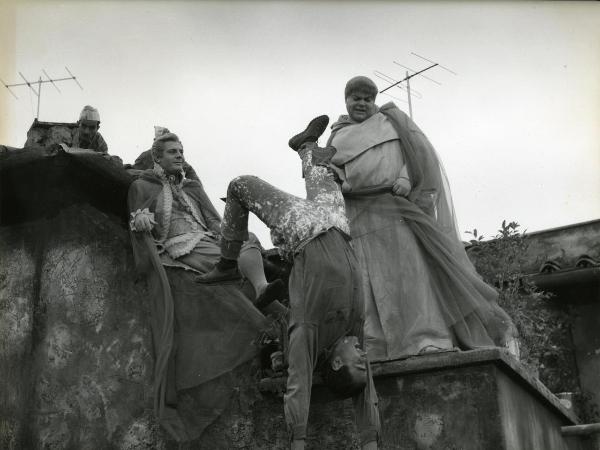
422	294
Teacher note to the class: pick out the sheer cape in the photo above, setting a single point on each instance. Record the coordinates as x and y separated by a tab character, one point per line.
468	304
201	333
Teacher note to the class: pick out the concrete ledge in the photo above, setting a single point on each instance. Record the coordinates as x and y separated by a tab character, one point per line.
581	430
497	356
446	361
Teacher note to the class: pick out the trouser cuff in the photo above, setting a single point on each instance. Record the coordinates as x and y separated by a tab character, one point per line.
230	249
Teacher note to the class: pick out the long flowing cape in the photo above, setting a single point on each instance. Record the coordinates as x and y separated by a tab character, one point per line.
201	333
469	304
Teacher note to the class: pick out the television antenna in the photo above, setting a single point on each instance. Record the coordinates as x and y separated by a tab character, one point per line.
411	92
39	83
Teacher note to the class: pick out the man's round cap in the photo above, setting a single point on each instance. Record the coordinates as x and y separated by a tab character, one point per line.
89	113
362	84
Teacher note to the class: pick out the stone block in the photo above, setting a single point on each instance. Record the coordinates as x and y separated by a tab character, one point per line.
480	399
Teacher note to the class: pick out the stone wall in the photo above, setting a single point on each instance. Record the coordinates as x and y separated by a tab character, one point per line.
75	350
76	353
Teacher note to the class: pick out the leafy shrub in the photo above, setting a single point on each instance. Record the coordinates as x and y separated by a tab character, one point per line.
543	326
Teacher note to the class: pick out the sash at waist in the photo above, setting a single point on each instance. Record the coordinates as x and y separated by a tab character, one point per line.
369	191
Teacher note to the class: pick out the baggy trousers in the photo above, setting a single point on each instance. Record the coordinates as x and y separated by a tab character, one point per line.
291	219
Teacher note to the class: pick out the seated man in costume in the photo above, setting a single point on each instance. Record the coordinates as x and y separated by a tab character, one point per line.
326	309
145	160
184	222
398	202
87	136
203	335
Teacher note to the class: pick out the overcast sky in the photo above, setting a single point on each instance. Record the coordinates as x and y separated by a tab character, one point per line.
518	127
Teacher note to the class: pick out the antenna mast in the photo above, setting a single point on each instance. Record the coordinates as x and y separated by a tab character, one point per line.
408	77
39	82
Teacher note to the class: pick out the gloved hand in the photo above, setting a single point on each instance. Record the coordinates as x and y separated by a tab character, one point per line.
142	220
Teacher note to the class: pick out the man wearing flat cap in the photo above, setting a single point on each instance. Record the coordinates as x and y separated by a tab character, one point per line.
87	135
422	294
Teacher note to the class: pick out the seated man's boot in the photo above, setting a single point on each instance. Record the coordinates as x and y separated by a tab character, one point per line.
224	270
273	291
313	131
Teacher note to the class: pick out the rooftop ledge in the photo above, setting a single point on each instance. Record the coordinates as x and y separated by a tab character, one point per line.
497	357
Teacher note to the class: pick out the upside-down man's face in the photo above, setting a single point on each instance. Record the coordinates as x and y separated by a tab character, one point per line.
348	352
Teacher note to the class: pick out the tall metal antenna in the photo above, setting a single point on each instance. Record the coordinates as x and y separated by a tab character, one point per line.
39	82
408	76
389	79
413	70
428	60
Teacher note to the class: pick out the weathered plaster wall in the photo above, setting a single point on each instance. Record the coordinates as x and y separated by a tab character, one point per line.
17	274
75	351
76	356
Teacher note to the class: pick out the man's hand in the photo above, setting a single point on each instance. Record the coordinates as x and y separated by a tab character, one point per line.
142	220
401	187
144	223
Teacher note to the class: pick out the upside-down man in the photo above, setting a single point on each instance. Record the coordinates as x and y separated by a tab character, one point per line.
326	306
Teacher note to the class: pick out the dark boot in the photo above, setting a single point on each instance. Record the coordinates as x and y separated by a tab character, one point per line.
313	131
274	291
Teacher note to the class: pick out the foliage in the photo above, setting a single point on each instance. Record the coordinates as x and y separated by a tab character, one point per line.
588	410
544	327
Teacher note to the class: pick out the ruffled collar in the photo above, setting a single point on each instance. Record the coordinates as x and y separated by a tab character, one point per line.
176	180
